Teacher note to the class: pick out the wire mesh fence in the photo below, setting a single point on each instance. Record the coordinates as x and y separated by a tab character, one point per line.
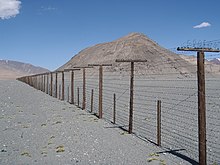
176	87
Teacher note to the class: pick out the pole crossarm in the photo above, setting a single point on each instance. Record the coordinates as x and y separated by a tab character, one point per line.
59	71
82	67
100	85
201	100
71	69
99	64
40	74
124	60
131	105
198	49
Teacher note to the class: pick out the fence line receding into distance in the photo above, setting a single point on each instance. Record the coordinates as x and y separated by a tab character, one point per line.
165	105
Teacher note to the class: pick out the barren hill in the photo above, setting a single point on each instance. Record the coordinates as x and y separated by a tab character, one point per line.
13	69
133	46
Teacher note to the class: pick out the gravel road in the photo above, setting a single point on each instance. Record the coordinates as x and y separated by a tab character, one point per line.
38	129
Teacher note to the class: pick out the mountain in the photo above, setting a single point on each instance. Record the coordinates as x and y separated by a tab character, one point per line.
215	61
212	67
132	47
13	69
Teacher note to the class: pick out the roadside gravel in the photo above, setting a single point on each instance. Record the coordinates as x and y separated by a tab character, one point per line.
38	129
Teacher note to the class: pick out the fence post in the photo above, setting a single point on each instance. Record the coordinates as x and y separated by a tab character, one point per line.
51	83
62	86
78	96
32	81
100	85
131	91
131	99
44	88
38	85
84	89
56	84
201	108
201	99
38	82
68	88
92	101
114	108
100	90
27	79
159	122
42	82
47	82
59	91
72	87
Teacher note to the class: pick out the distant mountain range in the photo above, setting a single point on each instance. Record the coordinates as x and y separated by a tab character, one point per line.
215	61
14	69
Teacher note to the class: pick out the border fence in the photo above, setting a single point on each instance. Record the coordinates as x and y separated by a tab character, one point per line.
162	108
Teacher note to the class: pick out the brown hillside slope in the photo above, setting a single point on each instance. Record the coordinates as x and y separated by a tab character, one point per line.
133	46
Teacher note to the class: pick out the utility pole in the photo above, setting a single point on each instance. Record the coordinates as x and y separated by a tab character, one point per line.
201	100
100	85
131	91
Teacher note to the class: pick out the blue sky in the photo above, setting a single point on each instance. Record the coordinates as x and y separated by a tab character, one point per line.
48	33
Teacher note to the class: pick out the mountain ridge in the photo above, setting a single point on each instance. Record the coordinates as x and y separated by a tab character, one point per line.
10	69
132	47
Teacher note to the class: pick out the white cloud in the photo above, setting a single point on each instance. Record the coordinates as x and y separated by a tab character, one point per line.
202	25
9	8
49	8
44	9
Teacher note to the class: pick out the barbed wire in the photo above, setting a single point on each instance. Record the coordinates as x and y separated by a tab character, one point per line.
178	95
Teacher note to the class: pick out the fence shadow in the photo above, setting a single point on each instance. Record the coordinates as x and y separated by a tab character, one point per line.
176	153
